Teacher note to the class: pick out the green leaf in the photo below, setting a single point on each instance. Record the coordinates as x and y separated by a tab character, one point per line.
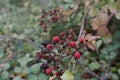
27	70
5	75
114	76
17	78
17	70
43	77
98	44
78	76
118	71
68	0
66	6
6	66
35	68
32	77
67	75
94	66
24	60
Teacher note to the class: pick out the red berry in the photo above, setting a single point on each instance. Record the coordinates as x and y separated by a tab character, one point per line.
57	73
48	46
48	71
53	17
81	40
56	39
69	36
77	55
72	44
38	55
62	33
61	42
42	16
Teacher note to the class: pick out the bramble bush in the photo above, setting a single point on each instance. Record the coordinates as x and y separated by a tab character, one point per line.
66	40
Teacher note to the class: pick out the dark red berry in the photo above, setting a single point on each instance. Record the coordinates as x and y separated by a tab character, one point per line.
77	55
56	39
81	40
42	16
48	71
48	46
53	17
62	33
38	55
44	57
72	44
61	42
69	36
57	73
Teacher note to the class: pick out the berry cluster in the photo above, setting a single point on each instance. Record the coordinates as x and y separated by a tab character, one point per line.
61	46
51	16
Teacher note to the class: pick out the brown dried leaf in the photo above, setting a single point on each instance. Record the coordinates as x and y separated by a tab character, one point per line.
103	17
87	3
91	46
95	24
99	21
93	12
104	32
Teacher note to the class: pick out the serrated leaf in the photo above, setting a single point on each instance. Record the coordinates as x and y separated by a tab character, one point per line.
17	70
35	68
67	75
4	75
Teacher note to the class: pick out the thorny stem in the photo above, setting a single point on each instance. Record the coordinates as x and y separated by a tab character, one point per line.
82	27
80	33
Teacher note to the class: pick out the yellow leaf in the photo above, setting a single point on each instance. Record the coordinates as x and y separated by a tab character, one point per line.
67	75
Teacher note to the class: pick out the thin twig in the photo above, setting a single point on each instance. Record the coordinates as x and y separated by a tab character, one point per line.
82	27
93	74
74	65
22	39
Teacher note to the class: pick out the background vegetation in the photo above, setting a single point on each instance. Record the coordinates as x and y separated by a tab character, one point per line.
21	37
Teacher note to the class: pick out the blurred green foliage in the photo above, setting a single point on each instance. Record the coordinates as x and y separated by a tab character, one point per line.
20	19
